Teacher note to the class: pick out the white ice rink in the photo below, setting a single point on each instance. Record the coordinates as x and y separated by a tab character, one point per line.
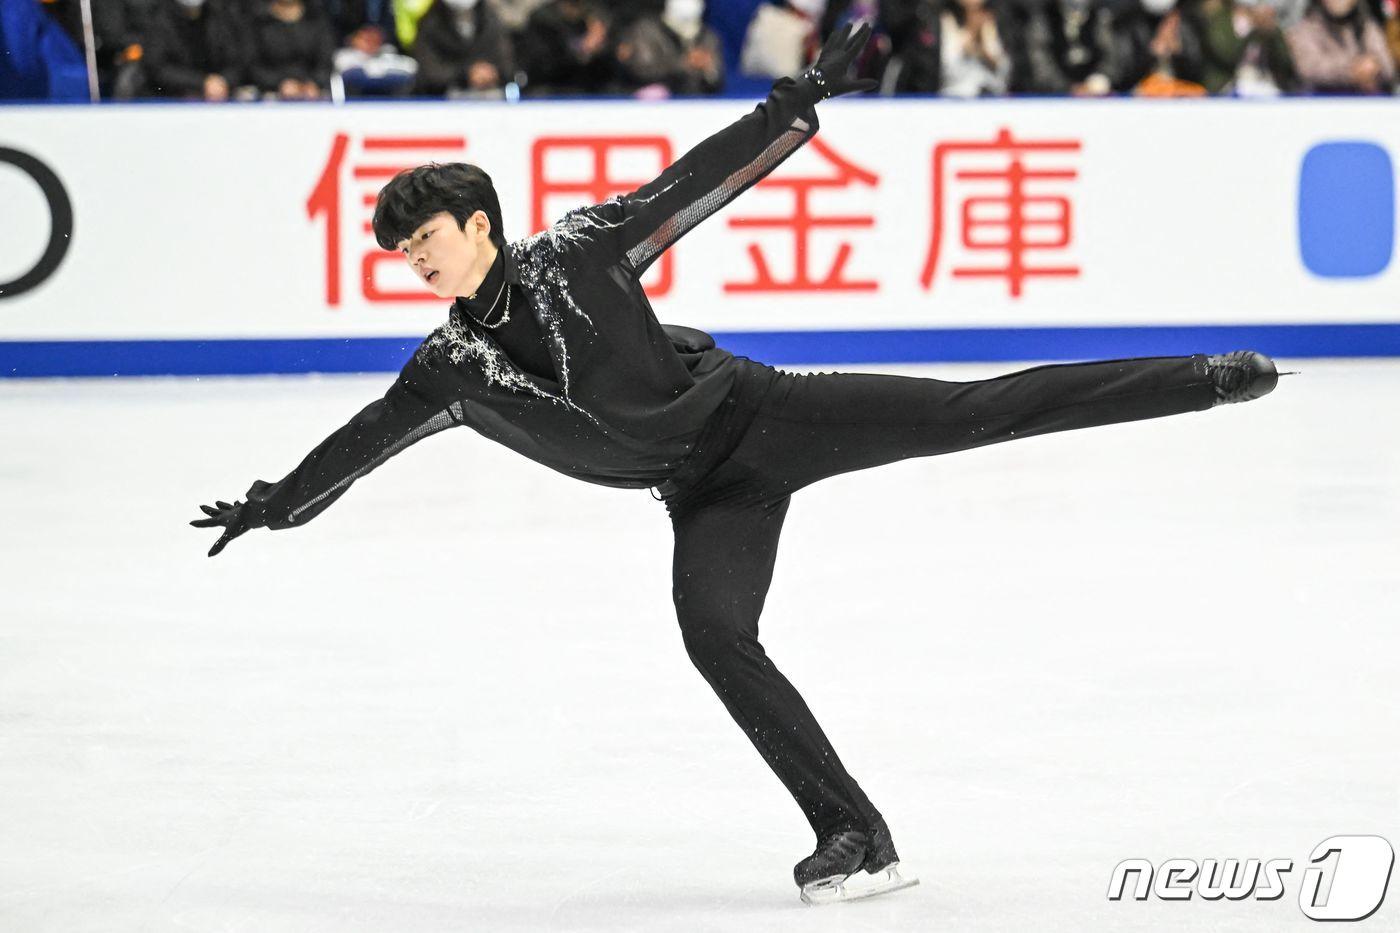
458	700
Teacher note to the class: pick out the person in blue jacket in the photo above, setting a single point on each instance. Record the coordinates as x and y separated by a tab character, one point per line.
38	60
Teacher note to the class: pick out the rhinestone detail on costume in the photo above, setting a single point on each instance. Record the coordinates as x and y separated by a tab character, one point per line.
547	291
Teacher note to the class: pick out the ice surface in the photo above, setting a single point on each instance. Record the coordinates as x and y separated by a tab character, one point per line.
458	700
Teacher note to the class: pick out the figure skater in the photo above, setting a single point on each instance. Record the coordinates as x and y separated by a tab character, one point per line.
551	348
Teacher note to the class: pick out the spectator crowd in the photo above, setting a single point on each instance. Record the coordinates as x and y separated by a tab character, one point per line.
217	50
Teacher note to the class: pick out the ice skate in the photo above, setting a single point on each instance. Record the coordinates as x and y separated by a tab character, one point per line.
850	866
1241	376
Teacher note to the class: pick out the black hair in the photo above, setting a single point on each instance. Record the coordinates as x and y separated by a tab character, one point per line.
415	194
1354	21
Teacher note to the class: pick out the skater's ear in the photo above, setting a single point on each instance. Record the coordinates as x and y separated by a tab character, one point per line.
479	225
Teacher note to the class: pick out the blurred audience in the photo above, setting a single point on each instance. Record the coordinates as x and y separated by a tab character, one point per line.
407	15
516	13
671	52
39	60
782	38
196	50
348	17
462	47
1174	64
1388	14
567	49
292	51
975	61
1245	52
913	31
120	28
1080	47
369	66
310	49
1339	48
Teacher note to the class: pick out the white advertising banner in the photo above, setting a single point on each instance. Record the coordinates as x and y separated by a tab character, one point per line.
253	221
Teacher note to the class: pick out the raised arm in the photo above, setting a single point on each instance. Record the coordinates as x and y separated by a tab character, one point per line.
408	412
722	167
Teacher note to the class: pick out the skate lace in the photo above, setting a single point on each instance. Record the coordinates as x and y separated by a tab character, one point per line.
1231	375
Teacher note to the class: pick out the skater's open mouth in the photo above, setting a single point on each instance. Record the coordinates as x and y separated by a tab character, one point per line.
430	275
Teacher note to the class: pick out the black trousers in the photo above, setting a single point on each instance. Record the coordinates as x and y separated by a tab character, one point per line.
727	520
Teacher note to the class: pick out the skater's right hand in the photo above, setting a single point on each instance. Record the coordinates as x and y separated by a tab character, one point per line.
234	519
841	49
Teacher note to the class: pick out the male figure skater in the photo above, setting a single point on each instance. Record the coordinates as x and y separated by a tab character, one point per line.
551	348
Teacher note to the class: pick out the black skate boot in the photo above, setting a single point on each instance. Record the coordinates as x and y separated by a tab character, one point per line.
836	857
1241	376
880	854
851	865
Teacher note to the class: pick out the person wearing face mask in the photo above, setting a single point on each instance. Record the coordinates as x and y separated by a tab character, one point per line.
462	47
196	49
674	51
293	50
1339	49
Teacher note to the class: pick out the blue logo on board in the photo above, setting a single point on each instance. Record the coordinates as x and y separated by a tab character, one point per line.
1346	210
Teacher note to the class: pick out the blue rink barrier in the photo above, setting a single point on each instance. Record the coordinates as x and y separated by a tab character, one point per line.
780	348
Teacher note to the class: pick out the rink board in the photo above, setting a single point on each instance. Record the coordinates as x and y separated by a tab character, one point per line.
147	239
778	348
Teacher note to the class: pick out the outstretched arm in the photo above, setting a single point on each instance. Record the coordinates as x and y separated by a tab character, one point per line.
722	167
407	413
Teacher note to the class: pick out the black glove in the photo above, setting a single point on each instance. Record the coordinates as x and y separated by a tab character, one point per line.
829	72
234	519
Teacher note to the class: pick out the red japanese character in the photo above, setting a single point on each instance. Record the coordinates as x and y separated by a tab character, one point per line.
802	222
325	200
598	182
1000	213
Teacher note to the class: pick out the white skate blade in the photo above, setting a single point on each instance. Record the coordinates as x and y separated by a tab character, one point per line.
855	887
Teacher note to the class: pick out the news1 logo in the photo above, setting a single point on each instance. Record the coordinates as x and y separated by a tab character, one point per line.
1346	210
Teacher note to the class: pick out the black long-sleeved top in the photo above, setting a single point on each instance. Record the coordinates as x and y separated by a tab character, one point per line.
621	407
517	333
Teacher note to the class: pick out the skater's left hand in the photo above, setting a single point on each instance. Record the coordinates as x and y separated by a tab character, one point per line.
234	519
829	73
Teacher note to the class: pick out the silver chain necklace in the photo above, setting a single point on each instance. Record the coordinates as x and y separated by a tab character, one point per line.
505	314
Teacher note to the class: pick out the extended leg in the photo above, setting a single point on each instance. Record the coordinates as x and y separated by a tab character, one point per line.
811	427
724	560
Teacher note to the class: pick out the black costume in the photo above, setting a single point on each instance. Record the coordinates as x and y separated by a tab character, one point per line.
725	440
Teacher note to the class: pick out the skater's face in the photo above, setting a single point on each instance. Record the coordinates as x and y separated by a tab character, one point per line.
451	260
